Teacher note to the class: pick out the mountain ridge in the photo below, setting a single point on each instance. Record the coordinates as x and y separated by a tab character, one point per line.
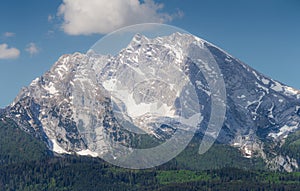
261	112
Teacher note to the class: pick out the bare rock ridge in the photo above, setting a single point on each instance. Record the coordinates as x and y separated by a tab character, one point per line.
69	107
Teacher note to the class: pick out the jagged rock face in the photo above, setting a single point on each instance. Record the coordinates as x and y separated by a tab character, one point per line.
257	103
73	98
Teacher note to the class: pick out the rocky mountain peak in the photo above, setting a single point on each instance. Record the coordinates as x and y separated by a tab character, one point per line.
73	97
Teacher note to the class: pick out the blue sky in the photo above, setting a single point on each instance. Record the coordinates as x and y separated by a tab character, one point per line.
34	33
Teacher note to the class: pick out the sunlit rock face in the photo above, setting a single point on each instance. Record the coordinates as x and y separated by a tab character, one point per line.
71	106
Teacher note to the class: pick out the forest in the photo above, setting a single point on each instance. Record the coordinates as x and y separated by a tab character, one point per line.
26	164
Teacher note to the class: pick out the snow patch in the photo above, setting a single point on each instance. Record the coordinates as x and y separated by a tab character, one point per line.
135	59
51	89
199	42
248	152
56	148
137	70
259	101
87	152
63	67
291	91
200	86
109	84
136	110
262	87
265	81
277	87
35	82
270	113
228	60
284	130
250	103
255	74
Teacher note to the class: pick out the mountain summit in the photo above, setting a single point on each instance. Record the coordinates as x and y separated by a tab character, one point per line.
70	107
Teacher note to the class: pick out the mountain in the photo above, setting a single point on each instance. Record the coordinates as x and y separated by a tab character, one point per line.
70	108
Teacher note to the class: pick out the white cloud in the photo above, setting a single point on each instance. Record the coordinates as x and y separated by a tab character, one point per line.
50	18
102	16
8	53
32	49
9	34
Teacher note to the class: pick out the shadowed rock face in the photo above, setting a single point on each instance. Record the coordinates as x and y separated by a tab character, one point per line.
73	98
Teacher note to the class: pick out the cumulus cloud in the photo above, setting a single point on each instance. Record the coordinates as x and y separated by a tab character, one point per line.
8	53
102	16
32	49
9	34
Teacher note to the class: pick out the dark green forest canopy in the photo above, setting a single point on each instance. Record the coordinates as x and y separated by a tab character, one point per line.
26	164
